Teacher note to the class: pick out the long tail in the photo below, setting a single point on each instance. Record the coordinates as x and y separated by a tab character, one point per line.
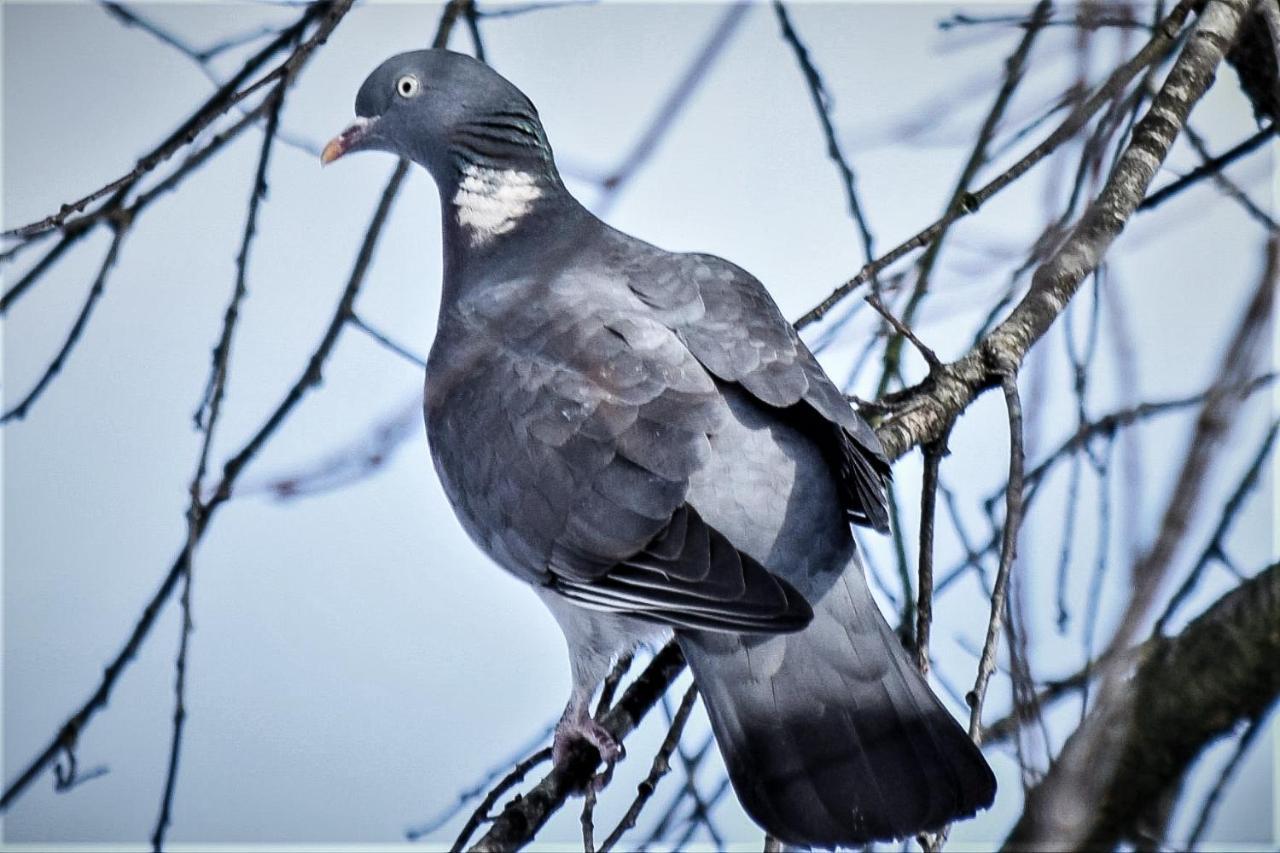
831	736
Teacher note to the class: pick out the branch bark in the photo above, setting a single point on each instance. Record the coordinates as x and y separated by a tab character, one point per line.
1132	751
524	816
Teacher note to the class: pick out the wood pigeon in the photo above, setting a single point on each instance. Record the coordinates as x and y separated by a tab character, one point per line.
641	436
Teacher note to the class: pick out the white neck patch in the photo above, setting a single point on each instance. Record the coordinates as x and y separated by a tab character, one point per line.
490	202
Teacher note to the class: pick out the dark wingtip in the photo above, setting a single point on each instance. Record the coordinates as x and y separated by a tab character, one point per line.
799	612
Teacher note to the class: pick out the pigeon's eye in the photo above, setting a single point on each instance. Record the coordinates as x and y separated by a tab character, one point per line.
408	86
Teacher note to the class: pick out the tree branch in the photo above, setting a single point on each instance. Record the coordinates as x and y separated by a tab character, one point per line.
228	96
67	734
1164	36
524	816
1136	745
929	406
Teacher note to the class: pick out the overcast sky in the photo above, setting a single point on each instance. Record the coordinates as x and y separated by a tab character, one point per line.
356	661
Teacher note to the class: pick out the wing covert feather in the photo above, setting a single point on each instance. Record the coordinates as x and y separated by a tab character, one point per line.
733	327
599	423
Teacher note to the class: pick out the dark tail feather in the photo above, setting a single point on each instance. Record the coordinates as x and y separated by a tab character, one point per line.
830	735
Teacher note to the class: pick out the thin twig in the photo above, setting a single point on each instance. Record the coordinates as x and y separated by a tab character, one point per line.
481	787
1014	67
904	331
309	378
660	767
933	453
822	105
673	104
1165	35
907	621
472	17
692	825
699	810
1209	167
388	344
202	57
1228	187
517	9
227	97
611	682
1008	550
1243	351
1215	547
206	421
19	411
1093	21
1228	772
481	813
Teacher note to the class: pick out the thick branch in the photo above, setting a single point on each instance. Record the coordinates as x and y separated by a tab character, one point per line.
1187	691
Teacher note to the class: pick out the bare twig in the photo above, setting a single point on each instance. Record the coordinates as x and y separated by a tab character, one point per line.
1212	166
1014	68
202	57
130	18
699	810
660	767
1112	423
1093	21
481	814
933	453
1164	36
524	817
515	10
19	410
309	378
1228	187
1211	429
388	344
227	97
822	105
480	788
69	776
673	104
1215	547
1008	550
206	419
902	330
1228	771
611	682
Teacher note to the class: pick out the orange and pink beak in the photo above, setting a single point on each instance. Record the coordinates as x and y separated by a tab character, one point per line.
346	141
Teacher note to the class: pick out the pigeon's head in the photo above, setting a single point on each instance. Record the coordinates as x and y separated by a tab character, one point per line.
443	110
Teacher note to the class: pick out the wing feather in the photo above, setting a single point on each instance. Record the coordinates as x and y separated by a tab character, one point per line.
600	418
733	327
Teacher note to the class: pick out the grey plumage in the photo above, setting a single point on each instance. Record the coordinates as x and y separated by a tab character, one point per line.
642	437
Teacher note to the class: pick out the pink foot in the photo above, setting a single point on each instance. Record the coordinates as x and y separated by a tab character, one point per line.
581	727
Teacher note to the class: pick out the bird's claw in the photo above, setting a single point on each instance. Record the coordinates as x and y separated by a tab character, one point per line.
587	729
